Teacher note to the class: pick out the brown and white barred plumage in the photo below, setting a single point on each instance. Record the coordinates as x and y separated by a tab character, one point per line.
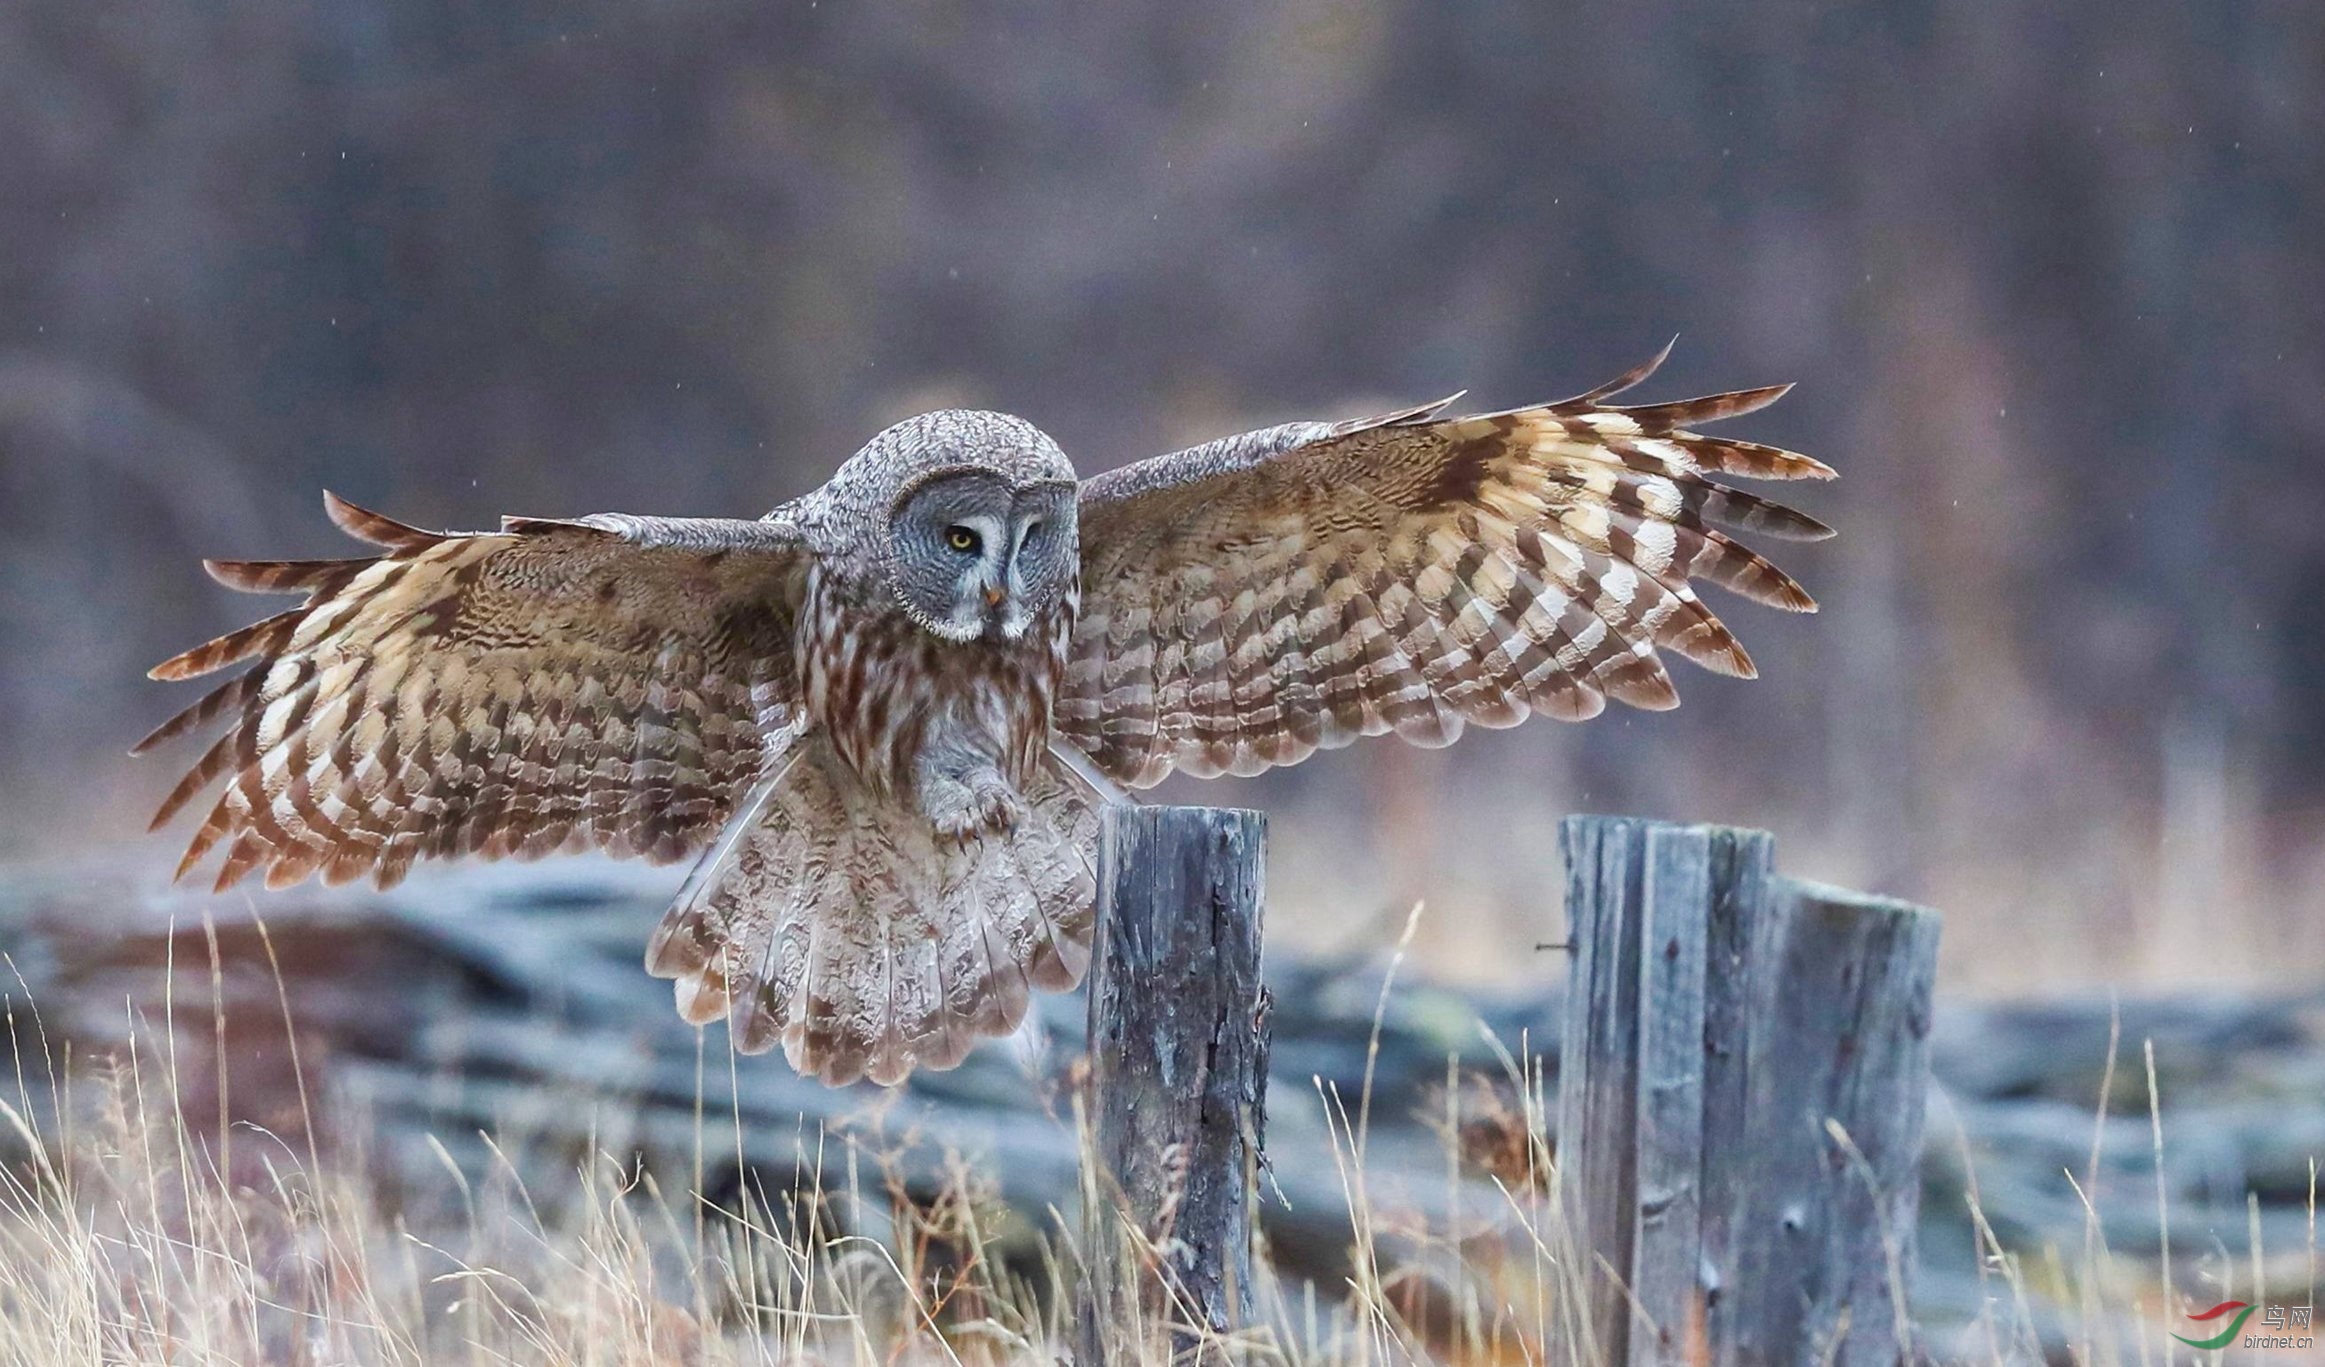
1293	589
554	686
878	686
744	692
844	925
865	944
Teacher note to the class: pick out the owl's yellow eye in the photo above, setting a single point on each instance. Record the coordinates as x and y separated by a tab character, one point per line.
963	540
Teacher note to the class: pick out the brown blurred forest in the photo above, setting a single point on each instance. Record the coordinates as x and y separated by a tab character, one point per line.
2051	277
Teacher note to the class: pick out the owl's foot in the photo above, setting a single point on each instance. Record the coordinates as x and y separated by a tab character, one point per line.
962	810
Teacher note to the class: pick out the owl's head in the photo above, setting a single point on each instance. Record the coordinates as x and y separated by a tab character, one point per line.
981	537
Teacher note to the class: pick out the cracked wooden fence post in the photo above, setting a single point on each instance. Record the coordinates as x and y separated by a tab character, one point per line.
1740	1103
1178	1075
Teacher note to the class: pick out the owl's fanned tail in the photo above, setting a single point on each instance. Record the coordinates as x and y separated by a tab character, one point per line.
866	947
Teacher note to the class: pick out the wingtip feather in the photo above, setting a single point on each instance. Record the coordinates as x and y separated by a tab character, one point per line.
377	529
186	863
287	576
1629	378
218	701
264	637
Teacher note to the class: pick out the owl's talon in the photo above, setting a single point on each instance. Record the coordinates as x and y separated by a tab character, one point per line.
974	812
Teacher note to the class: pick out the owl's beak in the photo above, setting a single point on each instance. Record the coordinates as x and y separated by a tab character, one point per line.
994	597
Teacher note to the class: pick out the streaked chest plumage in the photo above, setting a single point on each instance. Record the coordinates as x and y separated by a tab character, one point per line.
882	689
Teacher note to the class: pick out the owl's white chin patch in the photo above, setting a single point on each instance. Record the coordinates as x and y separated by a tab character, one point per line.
960	629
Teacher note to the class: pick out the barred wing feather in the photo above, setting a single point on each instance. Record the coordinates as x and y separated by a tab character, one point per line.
607	682
1251	601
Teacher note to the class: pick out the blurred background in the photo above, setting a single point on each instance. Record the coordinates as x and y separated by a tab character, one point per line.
2051	278
2050	275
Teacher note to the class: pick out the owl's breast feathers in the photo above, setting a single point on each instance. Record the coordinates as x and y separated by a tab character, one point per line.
887	694
919	866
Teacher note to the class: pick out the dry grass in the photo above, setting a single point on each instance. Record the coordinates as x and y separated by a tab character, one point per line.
2094	1308
132	1232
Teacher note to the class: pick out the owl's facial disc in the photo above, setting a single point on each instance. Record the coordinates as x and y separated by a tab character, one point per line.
1045	554
973	556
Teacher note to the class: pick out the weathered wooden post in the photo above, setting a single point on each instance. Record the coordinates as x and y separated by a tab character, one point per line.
1740	1098
1178	1078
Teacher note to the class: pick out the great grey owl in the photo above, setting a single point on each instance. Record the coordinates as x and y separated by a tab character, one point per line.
884	716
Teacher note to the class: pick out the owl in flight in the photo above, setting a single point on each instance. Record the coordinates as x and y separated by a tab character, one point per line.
883	718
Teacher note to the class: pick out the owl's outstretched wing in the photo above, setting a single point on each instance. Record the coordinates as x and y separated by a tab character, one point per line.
611	681
1251	601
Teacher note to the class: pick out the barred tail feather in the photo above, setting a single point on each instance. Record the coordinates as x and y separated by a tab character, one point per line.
852	937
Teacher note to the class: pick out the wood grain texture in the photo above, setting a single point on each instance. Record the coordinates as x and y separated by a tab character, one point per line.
1675	891
1649	1077
1743	867
1178	1072
1598	1076
1820	1249
1741	1089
